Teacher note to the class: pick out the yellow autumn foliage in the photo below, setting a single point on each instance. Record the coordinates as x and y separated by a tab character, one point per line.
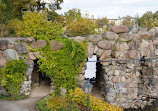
35	24
80	97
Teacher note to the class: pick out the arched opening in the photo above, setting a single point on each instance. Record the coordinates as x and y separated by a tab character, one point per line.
94	74
41	83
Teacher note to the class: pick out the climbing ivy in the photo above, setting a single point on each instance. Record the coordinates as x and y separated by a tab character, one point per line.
63	65
12	76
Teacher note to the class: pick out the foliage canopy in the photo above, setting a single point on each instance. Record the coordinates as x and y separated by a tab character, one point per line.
81	27
36	24
128	21
149	20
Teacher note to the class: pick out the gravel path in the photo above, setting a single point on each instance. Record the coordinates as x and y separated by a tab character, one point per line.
27	104
96	92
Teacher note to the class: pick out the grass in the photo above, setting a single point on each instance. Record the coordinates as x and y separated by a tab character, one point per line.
5	97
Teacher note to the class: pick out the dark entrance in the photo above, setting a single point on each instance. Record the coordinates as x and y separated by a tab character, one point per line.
38	77
95	76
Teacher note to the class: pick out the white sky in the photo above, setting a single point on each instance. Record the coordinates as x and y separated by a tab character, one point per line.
91	67
111	8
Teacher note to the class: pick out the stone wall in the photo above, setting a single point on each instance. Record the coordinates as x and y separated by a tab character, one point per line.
125	83
129	83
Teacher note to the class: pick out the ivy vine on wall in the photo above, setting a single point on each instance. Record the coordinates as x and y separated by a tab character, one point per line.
63	66
12	76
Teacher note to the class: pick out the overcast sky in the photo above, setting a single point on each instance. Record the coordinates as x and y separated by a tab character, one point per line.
111	8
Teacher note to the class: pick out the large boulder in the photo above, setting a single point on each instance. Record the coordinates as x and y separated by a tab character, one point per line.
119	29
11	54
37	54
21	48
105	54
29	62
3	61
99	52
121	46
134	30
30	40
31	56
39	44
110	35
133	45
90	49
96	48
4	44
55	45
154	32
125	37
105	45
121	55
133	54
94	38
143	44
135	37
79	39
144	33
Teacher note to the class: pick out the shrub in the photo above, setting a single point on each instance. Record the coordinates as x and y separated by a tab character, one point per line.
2	77
12	25
76	100
14	76
80	98
54	103
81	27
36	24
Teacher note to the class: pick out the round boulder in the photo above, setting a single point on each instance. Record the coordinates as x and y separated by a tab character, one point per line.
55	45
11	54
4	44
110	35
3	61
94	38
125	37
119	29
39	44
21	48
105	45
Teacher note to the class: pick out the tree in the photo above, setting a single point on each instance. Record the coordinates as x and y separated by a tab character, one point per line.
15	8
147	20
102	22
128	21
72	14
36	24
52	15
81	27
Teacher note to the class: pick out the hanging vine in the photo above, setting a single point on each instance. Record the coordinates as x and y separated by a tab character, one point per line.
63	65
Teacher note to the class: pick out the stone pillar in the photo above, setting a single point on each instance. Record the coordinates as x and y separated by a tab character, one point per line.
121	84
26	86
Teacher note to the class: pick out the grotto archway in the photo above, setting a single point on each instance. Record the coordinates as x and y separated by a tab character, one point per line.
123	81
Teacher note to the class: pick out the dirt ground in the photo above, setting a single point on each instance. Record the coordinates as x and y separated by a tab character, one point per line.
27	104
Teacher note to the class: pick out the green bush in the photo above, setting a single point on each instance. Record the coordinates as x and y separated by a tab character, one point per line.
76	100
36	24
54	103
63	65
13	76
81	27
